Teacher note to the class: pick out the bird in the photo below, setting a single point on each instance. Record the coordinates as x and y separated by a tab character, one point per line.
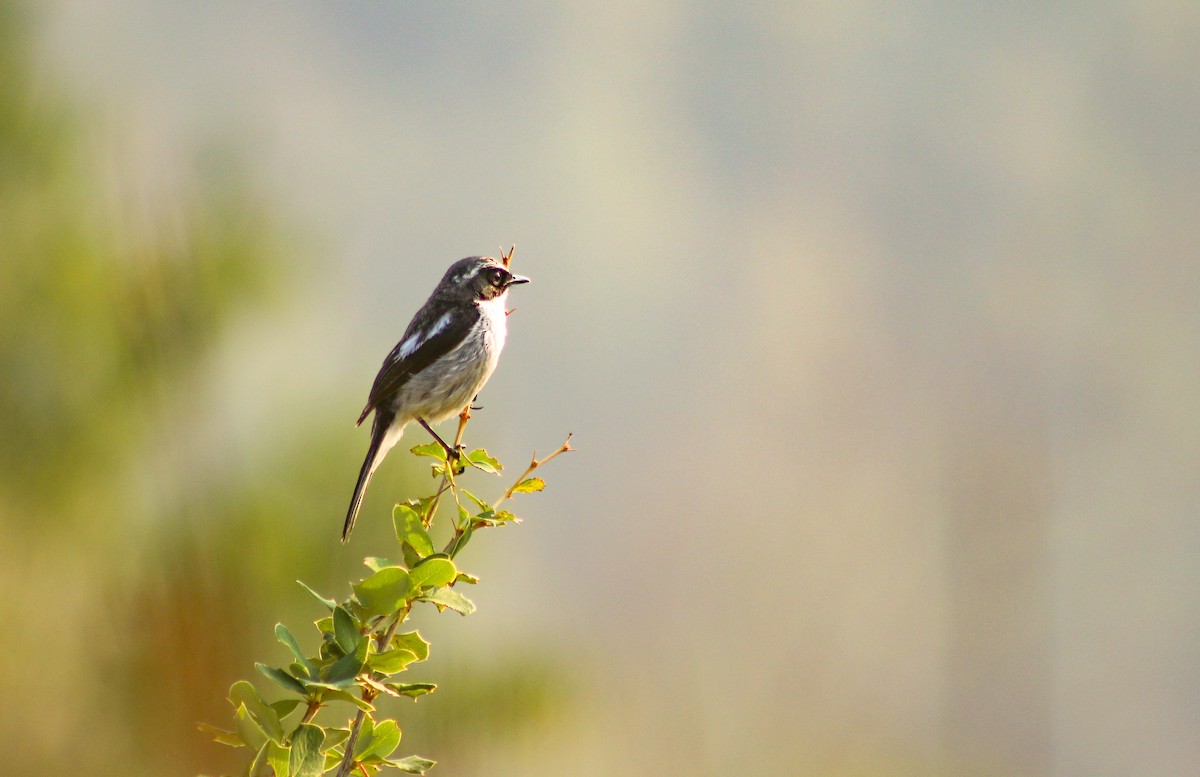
445	357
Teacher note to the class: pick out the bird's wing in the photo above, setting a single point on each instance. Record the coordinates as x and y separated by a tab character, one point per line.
423	344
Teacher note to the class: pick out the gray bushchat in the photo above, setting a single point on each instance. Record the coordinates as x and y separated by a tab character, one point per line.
447	354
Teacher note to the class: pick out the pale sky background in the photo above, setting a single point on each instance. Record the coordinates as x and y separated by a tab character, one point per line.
878	327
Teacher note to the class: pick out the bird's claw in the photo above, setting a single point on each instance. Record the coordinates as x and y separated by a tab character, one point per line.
454	458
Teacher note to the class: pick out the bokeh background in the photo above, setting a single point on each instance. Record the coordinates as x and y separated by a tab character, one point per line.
877	325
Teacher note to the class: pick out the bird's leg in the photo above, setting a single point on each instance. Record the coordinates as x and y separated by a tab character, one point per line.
452	454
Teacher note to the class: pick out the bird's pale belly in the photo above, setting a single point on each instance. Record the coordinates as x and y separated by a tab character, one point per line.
437	393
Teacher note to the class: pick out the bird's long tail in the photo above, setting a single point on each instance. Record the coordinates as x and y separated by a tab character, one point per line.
384	434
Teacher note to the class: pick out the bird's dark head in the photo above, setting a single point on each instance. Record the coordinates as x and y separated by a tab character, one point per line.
477	278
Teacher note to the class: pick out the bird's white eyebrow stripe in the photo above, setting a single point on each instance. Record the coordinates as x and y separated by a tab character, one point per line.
420	338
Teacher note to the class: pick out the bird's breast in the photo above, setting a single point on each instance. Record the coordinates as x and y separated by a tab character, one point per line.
446	386
495	320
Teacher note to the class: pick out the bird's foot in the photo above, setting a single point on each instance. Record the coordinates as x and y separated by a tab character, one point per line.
454	459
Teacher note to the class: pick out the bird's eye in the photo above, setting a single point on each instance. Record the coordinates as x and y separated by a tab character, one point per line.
496	276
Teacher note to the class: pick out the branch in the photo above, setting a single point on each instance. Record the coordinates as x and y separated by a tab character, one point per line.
564	448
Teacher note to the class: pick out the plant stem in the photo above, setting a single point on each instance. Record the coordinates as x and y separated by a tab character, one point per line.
564	448
447	480
381	642
313	706
401	616
348	759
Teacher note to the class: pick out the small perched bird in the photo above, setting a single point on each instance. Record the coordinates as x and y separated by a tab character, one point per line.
446	355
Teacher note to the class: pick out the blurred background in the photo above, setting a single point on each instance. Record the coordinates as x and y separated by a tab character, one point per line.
877	325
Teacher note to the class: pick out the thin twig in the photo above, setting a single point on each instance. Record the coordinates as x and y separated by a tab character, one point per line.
447	481
401	616
564	448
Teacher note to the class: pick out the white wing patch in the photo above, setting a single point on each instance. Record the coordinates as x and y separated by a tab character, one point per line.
418	339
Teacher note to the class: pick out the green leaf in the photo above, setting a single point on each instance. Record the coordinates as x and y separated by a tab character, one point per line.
334	737
449	598
464	518
374	563
345	630
306	758
383	592
324	625
277	757
482	505
498	518
230	738
529	486
379	744
411	557
366	732
255	767
391	661
460	540
409	528
481	460
463	577
423	506
412	690
413	764
344	670
327	602
248	729
433	572
339	694
283	679
413	642
285	636
285	707
244	695
299	671
370	681
433	450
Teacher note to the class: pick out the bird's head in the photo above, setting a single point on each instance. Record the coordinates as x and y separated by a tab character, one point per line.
477	278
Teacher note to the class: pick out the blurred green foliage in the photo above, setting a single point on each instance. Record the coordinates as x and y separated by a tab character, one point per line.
141	578
100	322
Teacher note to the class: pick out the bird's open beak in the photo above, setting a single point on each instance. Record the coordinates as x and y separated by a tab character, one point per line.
517	279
